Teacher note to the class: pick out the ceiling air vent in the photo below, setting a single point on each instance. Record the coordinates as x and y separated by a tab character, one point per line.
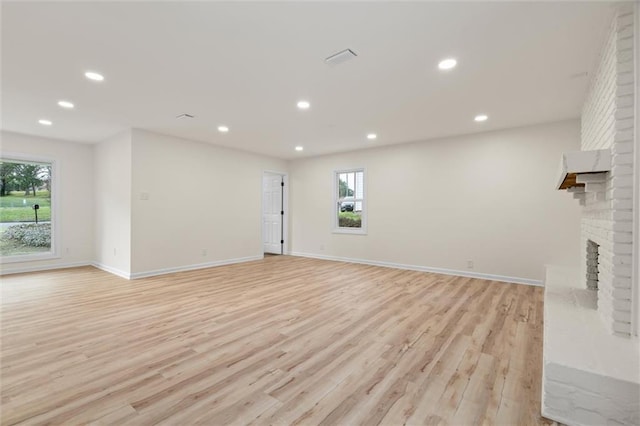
183	116
340	57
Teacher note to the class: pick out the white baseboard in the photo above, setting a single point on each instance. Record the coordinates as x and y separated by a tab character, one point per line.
111	270
43	268
156	272
127	275
561	420
502	278
194	267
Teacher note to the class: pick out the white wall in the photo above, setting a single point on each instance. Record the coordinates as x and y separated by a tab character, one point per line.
112	173
200	197
488	198
74	192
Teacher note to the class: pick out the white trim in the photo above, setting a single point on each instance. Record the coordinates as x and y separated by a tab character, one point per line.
164	271
502	278
635	249
33	257
111	270
334	216
54	252
44	268
136	275
554	417
156	272
352	231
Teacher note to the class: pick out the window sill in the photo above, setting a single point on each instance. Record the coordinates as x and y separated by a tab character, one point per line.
28	257
349	231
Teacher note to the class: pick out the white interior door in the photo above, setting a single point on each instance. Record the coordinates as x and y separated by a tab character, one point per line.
272	213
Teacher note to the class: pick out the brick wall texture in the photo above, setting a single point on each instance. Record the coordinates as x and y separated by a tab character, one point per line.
607	218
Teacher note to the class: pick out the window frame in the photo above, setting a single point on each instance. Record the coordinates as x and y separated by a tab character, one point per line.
53	252
336	196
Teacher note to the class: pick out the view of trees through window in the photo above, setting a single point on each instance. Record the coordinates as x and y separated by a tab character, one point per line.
350	198
25	208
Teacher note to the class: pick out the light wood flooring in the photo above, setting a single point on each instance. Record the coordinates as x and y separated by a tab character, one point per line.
285	340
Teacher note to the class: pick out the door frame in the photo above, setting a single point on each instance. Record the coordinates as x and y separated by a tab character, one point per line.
285	204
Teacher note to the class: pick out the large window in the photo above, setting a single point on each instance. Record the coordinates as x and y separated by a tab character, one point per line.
25	209
350	201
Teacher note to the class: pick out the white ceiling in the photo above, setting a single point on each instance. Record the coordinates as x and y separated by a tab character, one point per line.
246	65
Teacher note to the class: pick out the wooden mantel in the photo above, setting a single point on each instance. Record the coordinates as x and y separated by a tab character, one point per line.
581	162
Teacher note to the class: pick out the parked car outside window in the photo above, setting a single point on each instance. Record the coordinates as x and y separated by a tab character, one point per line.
347	205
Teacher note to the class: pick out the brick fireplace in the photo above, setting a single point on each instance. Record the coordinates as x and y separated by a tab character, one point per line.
592	265
591	368
606	229
601	175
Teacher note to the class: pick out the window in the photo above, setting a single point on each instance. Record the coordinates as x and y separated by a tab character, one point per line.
350	201
25	209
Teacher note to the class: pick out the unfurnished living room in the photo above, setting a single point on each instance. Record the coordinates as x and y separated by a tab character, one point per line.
336	213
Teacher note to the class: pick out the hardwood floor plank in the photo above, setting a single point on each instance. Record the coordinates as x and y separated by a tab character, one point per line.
284	340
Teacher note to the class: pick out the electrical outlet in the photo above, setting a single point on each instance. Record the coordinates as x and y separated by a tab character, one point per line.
321	246
114	251
470	264
204	252
144	196
67	250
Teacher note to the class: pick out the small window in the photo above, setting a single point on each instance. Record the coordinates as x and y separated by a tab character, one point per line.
350	201
25	210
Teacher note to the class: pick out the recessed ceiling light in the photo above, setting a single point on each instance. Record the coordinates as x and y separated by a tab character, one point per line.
481	117
372	136
299	148
304	105
447	64
91	75
65	104
223	129
45	122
